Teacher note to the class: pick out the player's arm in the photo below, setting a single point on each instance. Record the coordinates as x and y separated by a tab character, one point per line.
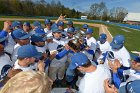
63	52
114	67
6	28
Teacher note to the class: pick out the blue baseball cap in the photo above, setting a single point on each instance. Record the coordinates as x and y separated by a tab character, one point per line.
56	30
26	24
39	31
47	21
60	23
37	38
69	23
89	31
131	87
78	59
137	59
117	42
102	37
70	30
37	23
16	23
28	51
20	34
85	26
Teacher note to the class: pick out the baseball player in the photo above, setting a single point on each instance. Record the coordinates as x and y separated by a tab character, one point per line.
36	24
16	25
133	72
48	24
5	60
26	56
22	38
60	25
94	77
119	51
27	27
84	27
70	33
57	66
102	47
130	87
69	25
90	44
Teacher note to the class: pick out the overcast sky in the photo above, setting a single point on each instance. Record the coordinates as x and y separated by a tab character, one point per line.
83	5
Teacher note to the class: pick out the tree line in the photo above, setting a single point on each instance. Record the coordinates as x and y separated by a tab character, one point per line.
36	8
99	11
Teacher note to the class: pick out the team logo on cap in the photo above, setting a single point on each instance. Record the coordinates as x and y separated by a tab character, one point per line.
76	64
115	41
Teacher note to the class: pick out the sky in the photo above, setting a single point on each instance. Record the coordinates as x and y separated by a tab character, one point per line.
84	5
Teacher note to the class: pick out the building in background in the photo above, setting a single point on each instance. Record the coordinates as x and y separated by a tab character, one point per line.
83	17
132	18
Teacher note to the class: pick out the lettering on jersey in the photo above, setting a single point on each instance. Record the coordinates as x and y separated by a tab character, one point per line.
60	48
4	71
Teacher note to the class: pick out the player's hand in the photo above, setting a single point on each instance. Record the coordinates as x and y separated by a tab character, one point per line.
69	90
109	88
44	56
67	47
114	65
12	72
101	62
87	48
61	17
7	25
80	41
52	56
41	66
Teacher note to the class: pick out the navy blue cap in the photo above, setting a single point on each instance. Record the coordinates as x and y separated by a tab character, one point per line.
47	21
60	23
137	59
28	51
37	38
55	30
85	26
69	23
102	37
117	42
16	23
37	23
70	30
20	34
89	31
78	59
131	87
39	31
26	24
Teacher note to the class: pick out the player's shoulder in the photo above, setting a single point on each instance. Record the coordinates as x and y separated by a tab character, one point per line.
124	51
92	39
17	46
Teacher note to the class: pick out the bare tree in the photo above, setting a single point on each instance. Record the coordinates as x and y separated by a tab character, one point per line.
97	10
118	13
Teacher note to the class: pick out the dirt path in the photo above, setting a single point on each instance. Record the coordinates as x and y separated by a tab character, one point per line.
102	28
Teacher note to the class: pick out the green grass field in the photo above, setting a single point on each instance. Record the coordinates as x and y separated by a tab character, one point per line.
132	37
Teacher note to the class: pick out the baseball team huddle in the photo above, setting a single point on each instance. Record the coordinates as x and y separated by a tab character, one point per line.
36	59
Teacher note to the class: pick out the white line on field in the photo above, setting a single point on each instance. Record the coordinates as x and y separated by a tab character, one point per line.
108	32
102	28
